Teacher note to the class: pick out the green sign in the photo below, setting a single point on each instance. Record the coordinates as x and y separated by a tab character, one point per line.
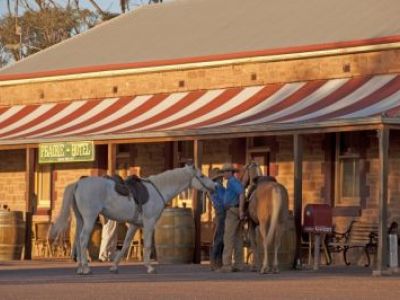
66	152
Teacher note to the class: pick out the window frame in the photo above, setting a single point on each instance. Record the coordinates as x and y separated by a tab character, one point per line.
44	176
340	201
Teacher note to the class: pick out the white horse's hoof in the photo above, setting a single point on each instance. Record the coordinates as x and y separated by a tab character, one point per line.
265	270
86	270
114	269
151	270
275	270
79	271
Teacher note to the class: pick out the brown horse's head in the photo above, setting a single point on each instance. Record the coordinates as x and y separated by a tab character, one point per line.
251	172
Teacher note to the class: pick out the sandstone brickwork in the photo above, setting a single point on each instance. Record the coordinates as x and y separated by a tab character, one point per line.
204	78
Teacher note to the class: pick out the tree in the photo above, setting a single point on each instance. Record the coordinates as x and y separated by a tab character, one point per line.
44	23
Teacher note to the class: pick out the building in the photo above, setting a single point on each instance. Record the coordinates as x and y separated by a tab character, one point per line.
309	89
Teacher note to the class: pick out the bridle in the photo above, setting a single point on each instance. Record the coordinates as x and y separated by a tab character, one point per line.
201	182
247	171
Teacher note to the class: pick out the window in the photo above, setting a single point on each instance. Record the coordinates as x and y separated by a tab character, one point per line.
349	178
348	170
43	186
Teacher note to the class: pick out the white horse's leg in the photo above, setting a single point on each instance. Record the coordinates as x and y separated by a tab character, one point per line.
127	242
148	230
76	248
84	240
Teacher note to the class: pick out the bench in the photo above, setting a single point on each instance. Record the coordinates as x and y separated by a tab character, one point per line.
358	235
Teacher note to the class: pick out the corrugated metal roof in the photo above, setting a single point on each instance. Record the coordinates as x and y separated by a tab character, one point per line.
192	28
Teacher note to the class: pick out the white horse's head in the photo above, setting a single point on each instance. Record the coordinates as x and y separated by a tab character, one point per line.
199	181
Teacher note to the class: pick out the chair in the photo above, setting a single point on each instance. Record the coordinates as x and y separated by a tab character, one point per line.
136	247
207	236
41	244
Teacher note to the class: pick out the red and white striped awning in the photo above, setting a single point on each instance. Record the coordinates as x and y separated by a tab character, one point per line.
292	103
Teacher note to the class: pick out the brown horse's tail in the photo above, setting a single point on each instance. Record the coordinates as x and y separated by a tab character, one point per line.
279	212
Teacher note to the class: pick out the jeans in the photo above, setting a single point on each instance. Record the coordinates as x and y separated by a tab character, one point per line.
218	241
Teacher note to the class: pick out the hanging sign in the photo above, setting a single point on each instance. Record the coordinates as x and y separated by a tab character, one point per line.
66	152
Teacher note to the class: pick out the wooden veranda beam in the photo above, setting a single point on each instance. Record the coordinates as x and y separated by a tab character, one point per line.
197	205
111	158
29	199
298	194
382	255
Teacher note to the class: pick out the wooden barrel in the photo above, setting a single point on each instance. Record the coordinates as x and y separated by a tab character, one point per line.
286	253
12	235
174	236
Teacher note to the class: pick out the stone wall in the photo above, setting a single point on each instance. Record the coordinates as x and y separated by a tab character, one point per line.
153	158
12	179
313	172
149	158
248	74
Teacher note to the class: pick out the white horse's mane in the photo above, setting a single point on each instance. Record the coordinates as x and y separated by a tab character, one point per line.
171	177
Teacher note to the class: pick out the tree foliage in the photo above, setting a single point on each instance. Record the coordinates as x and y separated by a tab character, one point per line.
43	23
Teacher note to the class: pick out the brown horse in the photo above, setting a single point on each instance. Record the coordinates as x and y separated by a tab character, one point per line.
268	210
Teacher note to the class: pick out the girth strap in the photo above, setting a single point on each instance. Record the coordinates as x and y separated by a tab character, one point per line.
158	191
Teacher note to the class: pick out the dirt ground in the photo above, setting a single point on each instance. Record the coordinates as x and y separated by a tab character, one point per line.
57	280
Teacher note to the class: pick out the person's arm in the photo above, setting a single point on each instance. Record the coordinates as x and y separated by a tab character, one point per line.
238	189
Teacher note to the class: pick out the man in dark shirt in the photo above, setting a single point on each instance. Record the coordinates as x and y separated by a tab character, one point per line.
233	203
217	198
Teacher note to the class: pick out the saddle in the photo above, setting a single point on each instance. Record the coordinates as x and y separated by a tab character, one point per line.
262	179
138	190
134	186
256	181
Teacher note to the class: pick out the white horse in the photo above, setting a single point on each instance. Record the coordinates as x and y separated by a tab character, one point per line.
92	196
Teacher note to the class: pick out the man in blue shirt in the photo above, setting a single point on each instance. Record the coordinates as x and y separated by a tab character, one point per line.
233	203
217	198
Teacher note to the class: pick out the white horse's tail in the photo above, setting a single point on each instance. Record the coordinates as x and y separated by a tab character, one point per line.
62	222
277	204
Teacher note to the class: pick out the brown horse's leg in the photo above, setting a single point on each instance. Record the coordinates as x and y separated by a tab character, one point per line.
277	244
254	247
263	231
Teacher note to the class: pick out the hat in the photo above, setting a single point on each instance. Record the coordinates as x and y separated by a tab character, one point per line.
229	167
215	173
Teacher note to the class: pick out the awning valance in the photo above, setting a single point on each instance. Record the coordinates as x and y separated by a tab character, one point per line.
291	103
